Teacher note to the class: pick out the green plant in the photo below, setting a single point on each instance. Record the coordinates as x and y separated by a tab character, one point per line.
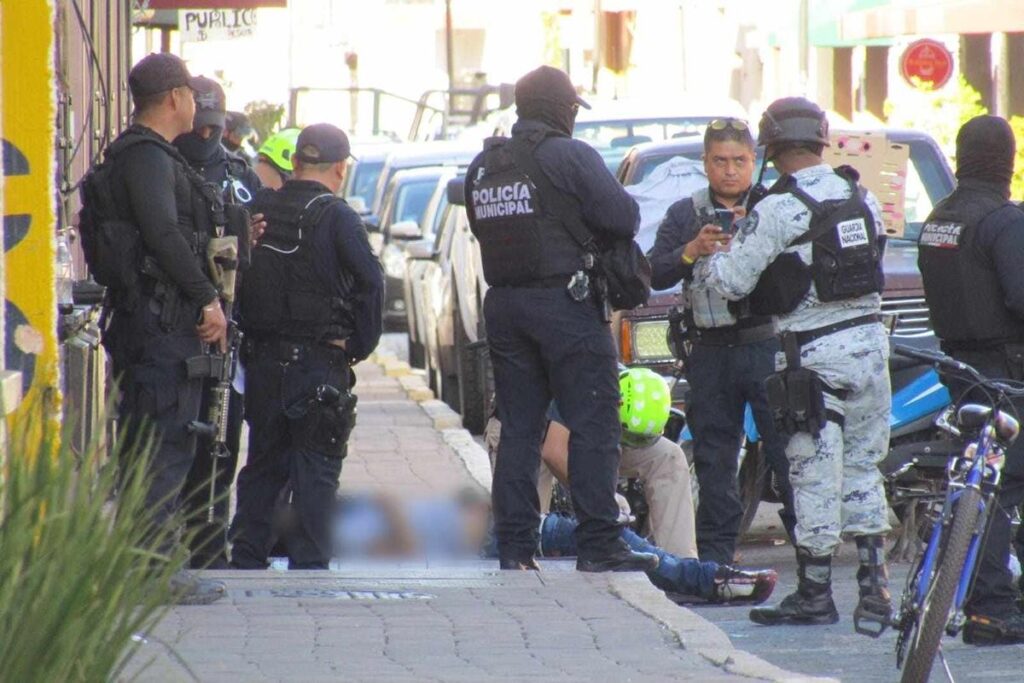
265	118
77	581
940	112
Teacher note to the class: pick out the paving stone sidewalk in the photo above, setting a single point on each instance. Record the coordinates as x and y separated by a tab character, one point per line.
414	622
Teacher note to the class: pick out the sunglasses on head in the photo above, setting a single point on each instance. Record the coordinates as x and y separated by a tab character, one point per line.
722	124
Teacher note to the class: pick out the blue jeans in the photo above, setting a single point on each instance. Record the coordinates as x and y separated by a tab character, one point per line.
674	574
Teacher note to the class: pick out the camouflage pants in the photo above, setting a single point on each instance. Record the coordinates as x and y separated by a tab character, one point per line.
837	486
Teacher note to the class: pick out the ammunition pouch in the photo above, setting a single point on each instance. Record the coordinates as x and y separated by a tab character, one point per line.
325	420
796	396
222	254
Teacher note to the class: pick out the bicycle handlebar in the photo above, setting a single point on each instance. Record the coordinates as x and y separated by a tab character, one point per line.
943	361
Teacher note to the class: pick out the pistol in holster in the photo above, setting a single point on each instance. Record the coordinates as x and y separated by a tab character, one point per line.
796	395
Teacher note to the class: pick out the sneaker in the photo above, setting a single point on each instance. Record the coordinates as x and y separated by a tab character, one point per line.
736	586
189	589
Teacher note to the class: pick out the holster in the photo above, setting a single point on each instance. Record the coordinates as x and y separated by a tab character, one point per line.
325	420
796	395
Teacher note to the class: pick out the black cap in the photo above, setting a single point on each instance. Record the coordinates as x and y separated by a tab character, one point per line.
237	122
322	143
210	102
158	72
547	83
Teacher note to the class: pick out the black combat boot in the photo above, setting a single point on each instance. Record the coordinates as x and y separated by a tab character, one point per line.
875	604
812	603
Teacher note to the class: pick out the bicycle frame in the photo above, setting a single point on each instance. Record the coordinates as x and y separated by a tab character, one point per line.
971	470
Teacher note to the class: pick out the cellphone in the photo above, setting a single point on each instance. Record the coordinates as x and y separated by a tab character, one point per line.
724	218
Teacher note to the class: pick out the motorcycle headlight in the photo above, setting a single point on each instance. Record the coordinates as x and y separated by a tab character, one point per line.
650	341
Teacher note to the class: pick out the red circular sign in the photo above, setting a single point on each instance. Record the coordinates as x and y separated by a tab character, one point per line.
927	60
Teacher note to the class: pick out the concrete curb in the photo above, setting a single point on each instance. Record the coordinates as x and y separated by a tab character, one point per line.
472	454
699	635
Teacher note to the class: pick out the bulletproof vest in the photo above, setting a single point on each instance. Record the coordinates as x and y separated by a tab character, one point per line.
283	294
965	299
708	308
111	241
846	254
521	238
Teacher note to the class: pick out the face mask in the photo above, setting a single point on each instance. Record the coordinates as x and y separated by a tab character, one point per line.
559	115
196	149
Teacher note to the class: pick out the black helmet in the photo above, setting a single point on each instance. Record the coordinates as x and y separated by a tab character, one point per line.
793	119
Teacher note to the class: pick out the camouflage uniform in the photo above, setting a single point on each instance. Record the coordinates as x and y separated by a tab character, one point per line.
835	477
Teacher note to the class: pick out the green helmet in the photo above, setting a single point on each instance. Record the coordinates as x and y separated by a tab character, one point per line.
280	147
645	405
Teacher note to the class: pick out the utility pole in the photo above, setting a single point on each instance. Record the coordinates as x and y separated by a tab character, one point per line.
449	45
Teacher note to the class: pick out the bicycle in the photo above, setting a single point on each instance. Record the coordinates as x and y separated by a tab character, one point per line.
937	589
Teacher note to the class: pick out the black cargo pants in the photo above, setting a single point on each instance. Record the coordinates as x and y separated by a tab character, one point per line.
544	345
288	486
156	393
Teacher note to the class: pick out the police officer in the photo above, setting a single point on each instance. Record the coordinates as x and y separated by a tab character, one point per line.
732	350
810	254
153	330
311	306
971	251
546	330
238	184
237	131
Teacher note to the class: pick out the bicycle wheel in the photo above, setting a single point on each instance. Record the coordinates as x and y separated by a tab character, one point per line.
940	595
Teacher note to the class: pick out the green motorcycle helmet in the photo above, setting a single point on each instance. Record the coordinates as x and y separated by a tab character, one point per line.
280	147
644	407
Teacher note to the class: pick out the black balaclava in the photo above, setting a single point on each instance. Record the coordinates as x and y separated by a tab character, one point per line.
197	150
559	115
985	150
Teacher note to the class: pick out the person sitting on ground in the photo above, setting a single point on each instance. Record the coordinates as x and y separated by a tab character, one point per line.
384	527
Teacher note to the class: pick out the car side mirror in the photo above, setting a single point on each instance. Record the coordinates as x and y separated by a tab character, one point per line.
405	230
357	203
422	250
457	191
372	223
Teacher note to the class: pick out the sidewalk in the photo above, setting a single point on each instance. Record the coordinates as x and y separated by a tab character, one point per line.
456	622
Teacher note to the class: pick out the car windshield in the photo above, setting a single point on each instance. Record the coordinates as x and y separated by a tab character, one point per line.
364	180
412	199
612	139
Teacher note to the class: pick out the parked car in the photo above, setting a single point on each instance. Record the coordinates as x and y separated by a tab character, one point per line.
416	155
364	169
417	253
405	202
450	306
641	333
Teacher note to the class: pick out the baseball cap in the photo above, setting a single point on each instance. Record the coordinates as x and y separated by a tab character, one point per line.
547	83
322	143
210	102
238	122
158	72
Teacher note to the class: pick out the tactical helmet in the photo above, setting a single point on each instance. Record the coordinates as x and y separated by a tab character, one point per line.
645	405
793	119
280	147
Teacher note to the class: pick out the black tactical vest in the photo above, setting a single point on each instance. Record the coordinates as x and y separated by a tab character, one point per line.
111	241
846	255
282	294
965	299
521	240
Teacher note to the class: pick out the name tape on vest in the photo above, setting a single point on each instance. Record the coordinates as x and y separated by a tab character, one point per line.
941	235
503	201
852	233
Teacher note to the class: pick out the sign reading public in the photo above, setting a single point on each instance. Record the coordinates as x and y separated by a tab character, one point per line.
200	25
927	61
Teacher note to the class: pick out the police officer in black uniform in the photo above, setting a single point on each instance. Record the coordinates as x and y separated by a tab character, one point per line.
311	305
546	329
971	256
238	184
732	351
153	330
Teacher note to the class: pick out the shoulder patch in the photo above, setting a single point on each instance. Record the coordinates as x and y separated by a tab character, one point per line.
941	235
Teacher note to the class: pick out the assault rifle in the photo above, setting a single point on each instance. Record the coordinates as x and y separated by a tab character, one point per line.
222	258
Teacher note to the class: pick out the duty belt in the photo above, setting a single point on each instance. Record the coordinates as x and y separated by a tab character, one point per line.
291	351
806	337
732	336
553	282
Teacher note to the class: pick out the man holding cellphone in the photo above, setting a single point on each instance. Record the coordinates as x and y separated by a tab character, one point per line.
732	351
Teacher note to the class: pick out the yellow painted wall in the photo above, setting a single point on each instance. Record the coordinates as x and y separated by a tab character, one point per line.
28	267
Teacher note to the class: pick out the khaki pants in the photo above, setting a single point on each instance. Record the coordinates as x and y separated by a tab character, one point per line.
665	474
